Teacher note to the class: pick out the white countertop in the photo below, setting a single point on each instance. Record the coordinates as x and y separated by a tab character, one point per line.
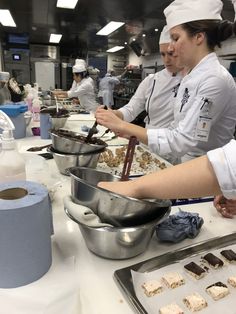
98	293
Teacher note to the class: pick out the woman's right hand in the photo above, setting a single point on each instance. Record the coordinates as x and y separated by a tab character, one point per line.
110	120
226	207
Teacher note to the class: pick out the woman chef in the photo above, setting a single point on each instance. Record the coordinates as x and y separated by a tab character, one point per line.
205	107
84	88
156	92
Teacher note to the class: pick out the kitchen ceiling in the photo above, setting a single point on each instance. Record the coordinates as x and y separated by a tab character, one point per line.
39	18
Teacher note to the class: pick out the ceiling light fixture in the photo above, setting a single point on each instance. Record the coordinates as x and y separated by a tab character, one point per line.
55	38
144	35
6	18
109	28
116	48
156	29
67	4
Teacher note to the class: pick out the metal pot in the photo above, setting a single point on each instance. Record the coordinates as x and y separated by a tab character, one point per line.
119	243
112	208
66	161
70	142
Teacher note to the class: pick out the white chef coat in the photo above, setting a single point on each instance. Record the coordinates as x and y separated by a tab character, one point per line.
155	95
207	94
223	161
106	88
85	92
73	86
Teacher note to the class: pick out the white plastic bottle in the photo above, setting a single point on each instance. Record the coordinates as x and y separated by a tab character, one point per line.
12	164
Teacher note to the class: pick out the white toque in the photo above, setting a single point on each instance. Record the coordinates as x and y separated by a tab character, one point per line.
80	66
183	11
165	36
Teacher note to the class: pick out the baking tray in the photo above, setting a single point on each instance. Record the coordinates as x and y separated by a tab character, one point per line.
124	278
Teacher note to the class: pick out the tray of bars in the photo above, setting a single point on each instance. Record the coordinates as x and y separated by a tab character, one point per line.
198	278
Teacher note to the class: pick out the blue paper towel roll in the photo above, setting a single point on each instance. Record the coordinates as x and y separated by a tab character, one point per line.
25	233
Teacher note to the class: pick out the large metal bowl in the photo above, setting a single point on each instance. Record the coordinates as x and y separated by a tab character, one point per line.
70	142
66	161
119	243
112	208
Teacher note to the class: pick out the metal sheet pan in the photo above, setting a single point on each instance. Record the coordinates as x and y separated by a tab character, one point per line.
124	278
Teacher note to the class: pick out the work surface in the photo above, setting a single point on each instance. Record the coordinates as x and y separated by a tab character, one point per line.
79	281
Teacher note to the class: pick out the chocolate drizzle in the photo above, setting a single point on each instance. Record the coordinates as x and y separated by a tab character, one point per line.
217	284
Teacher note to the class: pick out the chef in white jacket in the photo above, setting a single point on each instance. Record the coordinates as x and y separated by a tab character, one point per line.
156	92
205	107
106	88
74	83
84	89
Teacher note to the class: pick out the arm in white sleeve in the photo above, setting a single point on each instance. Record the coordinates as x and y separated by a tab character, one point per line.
137	103
224	164
81	89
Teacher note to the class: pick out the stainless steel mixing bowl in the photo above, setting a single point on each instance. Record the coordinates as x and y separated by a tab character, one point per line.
70	142
119	243
58	122
66	161
112	208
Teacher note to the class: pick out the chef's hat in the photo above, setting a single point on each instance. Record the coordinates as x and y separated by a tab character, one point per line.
78	68
165	36
183	11
80	61
234	4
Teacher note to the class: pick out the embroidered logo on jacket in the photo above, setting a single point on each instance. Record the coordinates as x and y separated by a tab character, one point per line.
175	89
184	99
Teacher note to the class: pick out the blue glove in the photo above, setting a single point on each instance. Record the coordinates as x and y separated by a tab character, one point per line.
179	226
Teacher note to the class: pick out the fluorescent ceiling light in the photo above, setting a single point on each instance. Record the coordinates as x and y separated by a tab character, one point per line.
116	48
55	38
109	28
67	4
6	18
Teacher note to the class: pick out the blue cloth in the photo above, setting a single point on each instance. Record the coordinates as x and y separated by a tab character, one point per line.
179	226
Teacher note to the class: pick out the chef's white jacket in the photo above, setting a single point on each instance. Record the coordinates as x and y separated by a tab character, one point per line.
224	164
204	113
73	86
106	89
85	92
155	95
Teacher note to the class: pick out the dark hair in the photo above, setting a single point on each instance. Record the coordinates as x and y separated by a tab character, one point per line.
82	74
216	31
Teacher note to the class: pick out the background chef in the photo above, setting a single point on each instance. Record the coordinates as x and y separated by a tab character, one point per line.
83	89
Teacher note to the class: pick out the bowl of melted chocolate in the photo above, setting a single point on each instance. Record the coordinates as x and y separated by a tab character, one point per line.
66	141
58	118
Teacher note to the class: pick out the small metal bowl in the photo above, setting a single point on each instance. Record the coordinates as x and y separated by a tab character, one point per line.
70	142
66	161
59	122
119	243
112	208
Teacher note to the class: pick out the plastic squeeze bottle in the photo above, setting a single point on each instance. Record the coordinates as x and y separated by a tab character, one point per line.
12	164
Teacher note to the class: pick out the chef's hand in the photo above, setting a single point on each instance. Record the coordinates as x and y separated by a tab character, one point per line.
226	207
110	120
121	187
